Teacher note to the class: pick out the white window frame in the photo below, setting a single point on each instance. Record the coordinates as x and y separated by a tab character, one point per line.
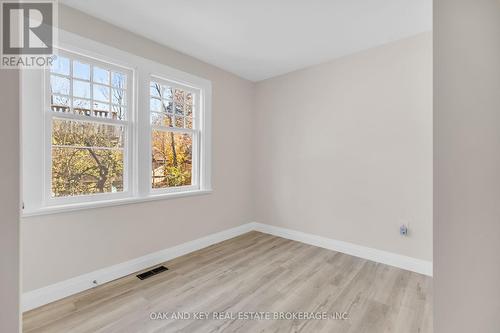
36	185
128	125
196	133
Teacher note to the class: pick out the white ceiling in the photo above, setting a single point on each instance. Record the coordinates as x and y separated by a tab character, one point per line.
259	39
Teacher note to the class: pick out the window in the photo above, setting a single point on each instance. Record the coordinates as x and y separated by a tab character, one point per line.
89	127
174	135
108	127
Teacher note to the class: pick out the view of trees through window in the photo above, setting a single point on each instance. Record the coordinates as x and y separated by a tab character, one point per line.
86	158
172	136
87	155
88	104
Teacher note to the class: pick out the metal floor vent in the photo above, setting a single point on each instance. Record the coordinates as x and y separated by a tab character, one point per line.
152	272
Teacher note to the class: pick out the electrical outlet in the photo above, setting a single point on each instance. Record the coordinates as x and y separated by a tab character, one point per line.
403	230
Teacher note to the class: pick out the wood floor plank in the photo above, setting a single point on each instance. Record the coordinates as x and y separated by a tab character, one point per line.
251	273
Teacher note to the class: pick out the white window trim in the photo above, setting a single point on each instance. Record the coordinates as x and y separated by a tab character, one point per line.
139	187
48	200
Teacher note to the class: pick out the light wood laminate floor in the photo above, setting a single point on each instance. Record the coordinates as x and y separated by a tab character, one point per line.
254	272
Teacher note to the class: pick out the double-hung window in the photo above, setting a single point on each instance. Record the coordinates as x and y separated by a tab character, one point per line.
88	127
174	136
111	129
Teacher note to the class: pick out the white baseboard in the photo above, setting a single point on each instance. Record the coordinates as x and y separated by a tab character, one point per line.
35	298
38	297
384	257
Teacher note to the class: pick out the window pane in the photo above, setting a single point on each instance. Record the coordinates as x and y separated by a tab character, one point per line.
101	110
60	65
101	76
59	85
179	122
155	104
161	119
158	105
189	99
118	112
81	70
189	122
101	93
82	107
81	89
168	107
86	134
119	80
118	96
188	109
179	96
80	171
60	103
155	89
81	104
179	109
171	159
167	93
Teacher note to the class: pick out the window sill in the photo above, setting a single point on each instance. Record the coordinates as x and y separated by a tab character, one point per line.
109	203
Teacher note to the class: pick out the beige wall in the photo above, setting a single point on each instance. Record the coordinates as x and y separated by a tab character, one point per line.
345	148
467	166
58	247
9	201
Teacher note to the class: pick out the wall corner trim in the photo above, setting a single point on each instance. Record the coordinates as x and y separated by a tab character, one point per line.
38	297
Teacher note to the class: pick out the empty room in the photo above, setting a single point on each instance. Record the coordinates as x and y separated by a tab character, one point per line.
248	166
